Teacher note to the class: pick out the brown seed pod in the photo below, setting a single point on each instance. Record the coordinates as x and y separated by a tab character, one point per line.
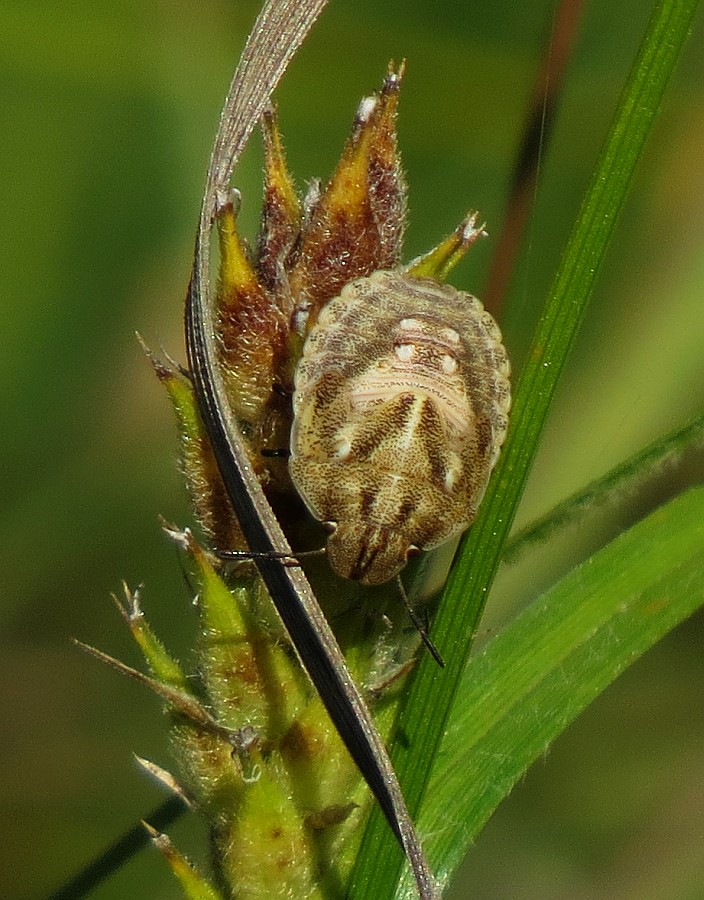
400	409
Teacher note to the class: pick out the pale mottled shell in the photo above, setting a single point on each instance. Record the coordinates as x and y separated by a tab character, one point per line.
400	409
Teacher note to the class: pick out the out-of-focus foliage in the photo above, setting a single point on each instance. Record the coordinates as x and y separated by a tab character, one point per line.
107	113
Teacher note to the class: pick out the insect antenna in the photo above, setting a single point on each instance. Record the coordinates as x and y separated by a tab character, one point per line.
290	559
421	627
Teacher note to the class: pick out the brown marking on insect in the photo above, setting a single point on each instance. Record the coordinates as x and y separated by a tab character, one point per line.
368	499
414	382
484	435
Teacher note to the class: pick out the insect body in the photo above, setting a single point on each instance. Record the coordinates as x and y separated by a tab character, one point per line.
400	409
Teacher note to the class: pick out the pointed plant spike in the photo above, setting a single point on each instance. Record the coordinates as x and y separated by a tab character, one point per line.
239	680
356	226
439	262
164	667
244	309
281	212
194	885
181	702
212	509
164	779
276	36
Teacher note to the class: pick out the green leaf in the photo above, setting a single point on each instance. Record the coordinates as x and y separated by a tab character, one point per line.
423	721
623	478
535	677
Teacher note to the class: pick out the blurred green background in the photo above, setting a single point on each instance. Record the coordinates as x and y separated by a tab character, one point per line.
108	112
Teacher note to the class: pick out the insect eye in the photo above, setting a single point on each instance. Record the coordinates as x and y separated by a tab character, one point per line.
412	551
330	527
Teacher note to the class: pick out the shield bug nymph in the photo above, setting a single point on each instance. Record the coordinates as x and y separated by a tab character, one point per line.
400	409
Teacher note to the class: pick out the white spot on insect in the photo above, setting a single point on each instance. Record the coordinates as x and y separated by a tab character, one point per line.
409	325
405	352
449	335
448	364
450	479
409	434
343	447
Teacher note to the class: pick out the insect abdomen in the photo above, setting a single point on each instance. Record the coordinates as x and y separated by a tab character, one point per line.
400	409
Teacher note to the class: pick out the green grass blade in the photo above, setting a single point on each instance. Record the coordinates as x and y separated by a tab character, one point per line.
623	478
541	671
423	721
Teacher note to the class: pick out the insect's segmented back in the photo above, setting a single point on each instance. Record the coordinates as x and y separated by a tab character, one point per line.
400	409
